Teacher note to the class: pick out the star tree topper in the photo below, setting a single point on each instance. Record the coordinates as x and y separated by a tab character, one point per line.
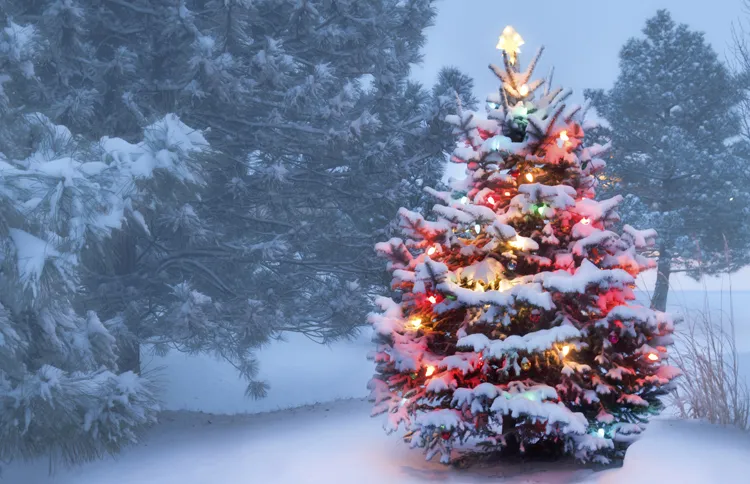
510	42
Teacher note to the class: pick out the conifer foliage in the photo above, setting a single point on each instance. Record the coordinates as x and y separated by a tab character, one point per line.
516	328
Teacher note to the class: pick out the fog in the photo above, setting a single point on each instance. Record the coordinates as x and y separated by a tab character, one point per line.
233	248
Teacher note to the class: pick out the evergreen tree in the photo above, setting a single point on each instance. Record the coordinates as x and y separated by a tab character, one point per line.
516	328
318	134
676	152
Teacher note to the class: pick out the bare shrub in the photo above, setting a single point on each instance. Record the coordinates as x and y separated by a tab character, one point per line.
712	387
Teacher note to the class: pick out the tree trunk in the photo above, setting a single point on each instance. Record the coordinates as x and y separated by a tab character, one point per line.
125	253
130	357
664	268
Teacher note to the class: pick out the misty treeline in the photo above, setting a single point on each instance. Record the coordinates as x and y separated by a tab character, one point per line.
206	175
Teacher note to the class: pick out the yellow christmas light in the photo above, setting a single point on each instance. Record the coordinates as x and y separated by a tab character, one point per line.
564	136
510	42
431	250
523	90
529	177
653	357
565	350
507	194
416	323
430	370
516	243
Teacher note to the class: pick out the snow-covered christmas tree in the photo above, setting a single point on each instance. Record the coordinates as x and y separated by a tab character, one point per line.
516	329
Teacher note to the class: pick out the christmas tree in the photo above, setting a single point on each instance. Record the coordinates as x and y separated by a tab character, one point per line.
516	329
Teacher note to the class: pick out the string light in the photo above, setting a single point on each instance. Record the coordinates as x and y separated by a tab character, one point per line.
477	228
416	322
430	370
432	299
564	136
585	221
600	433
464	200
653	357
431	250
507	194
529	177
491	200
523	90
565	350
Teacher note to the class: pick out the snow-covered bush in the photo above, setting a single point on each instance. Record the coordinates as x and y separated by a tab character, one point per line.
61	392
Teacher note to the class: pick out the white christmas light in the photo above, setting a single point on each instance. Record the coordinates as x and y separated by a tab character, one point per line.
491	200
430	370
523	90
431	250
432	299
565	350
529	177
477	228
416	323
653	357
600	433
585	221
564	136
464	200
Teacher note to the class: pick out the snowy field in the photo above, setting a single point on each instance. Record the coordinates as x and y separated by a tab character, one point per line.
337	443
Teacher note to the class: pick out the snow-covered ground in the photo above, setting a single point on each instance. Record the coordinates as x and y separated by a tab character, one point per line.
337	443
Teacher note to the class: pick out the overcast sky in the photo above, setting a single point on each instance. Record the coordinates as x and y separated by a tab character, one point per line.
582	39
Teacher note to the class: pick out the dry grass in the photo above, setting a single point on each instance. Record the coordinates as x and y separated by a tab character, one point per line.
712	387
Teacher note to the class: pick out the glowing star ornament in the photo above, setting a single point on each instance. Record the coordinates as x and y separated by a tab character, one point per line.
510	42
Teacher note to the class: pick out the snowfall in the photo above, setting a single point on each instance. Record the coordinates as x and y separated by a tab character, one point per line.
314	427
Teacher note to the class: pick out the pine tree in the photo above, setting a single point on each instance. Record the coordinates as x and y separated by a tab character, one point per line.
677	154
516	328
318	138
62	196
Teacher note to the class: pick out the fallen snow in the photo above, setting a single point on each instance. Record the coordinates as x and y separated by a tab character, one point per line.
339	443
336	443
687	452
